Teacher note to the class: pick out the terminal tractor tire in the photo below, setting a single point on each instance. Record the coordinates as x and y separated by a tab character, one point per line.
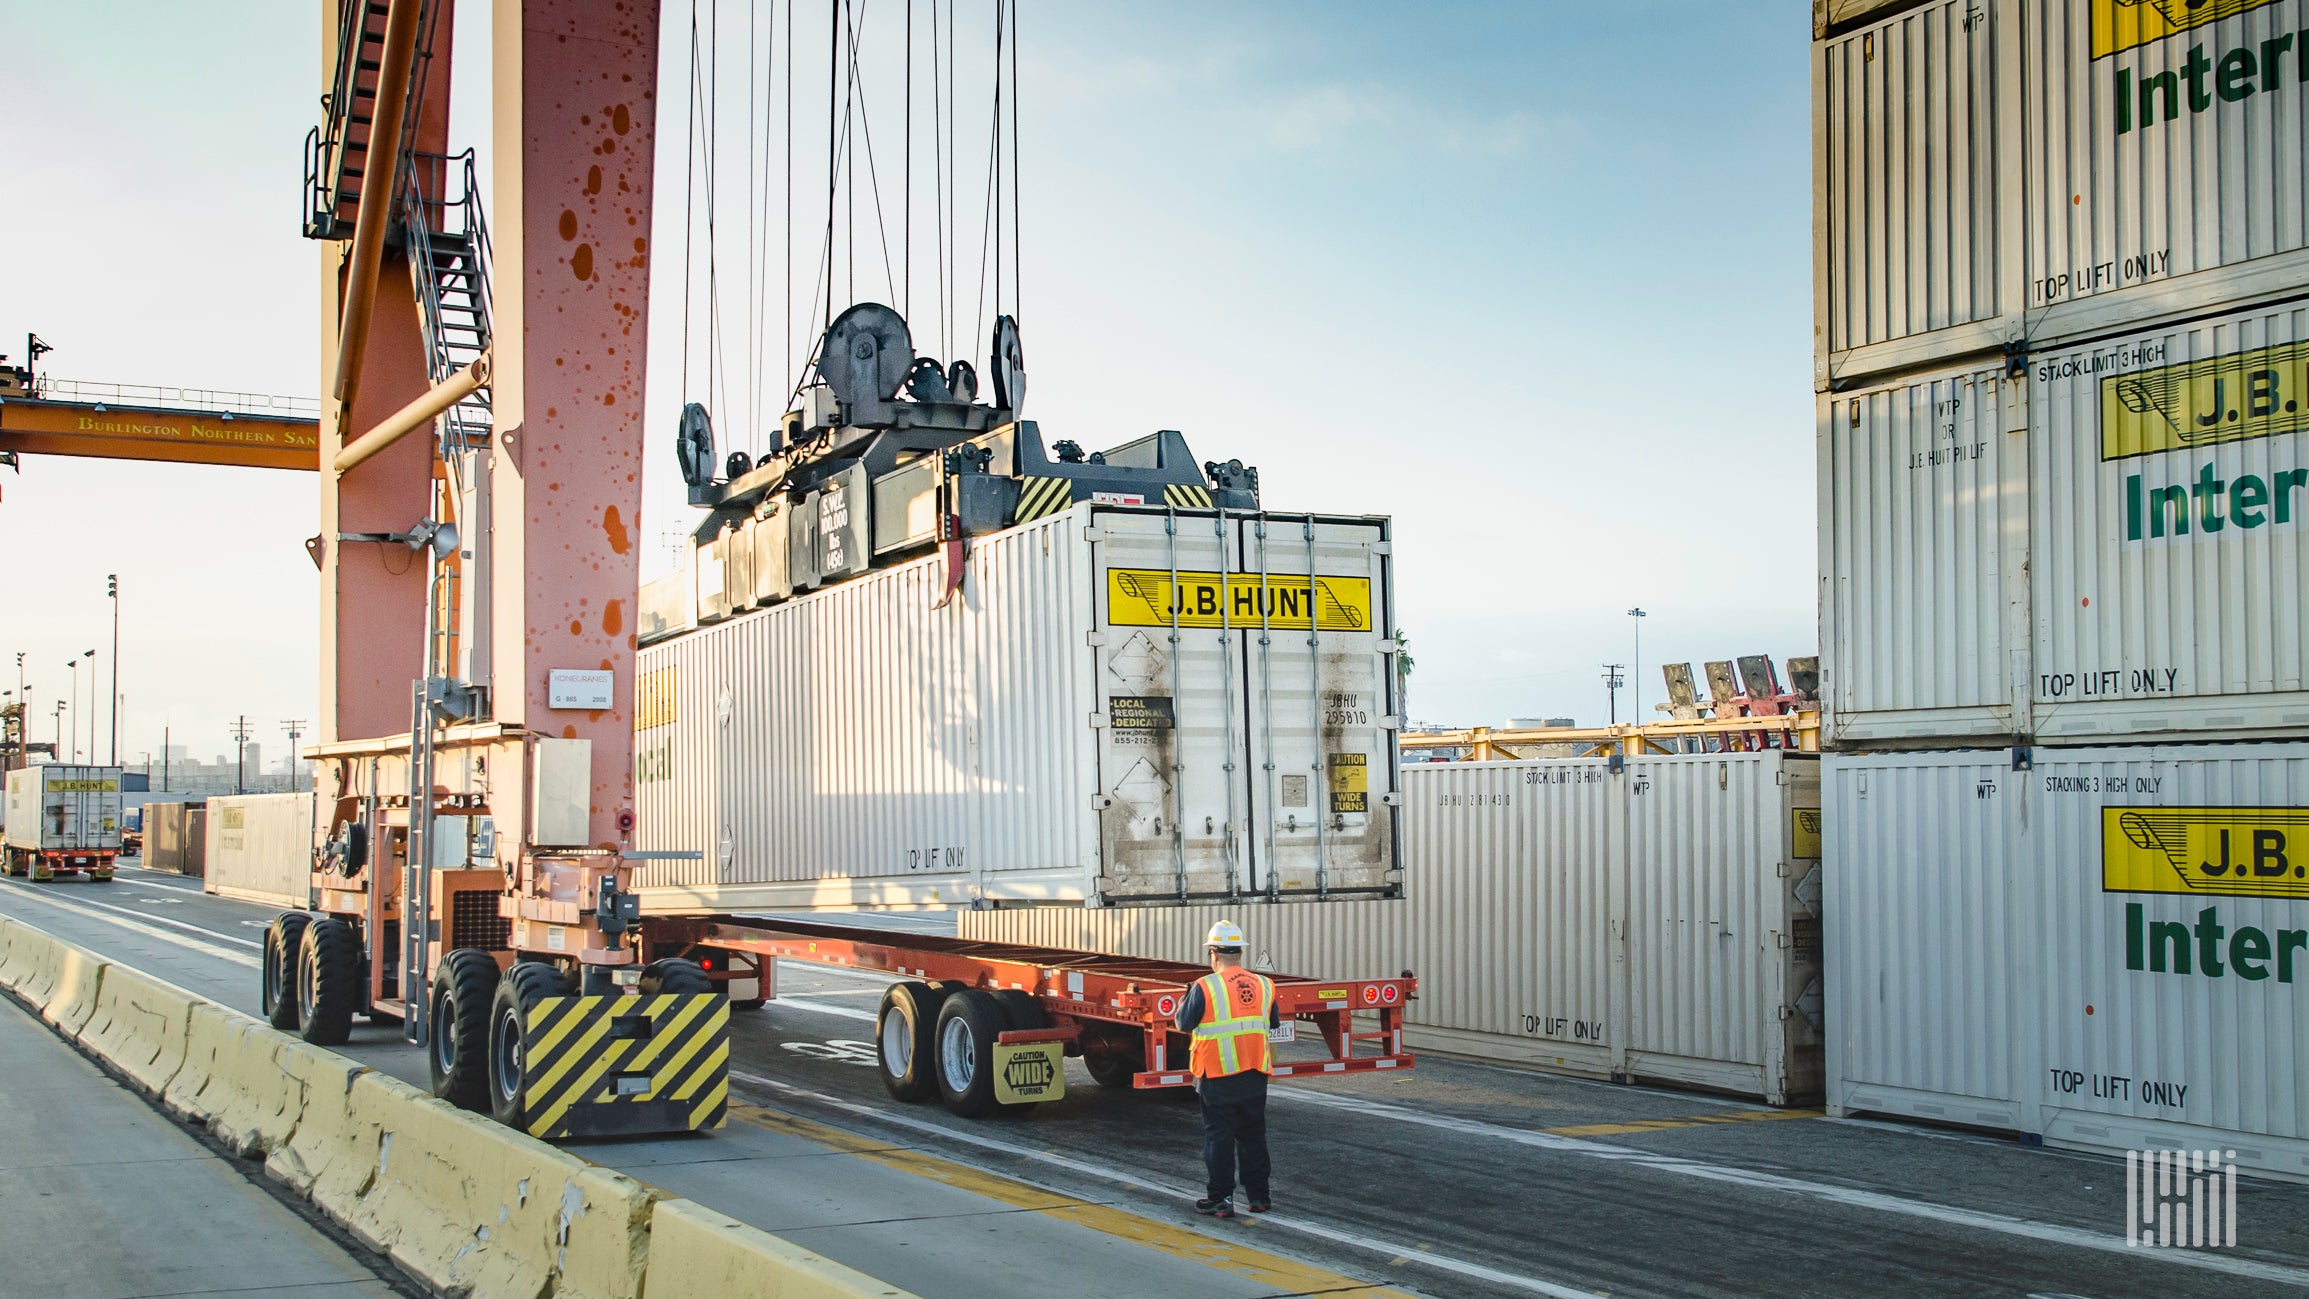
284	951
328	982
518	992
464	986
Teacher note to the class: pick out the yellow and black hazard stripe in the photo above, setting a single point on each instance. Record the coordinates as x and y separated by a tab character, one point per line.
1187	496
619	1065
1040	496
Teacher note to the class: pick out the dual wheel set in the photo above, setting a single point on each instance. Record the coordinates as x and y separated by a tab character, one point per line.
20	863
316	980
938	1039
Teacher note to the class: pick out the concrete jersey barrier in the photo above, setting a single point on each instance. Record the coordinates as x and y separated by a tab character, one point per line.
457	1201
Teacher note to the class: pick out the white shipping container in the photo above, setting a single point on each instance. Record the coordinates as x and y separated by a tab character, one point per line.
2134	570
1996	171
2107	950
260	848
1107	712
2165	149
1911	198
1923	538
63	807
1660	921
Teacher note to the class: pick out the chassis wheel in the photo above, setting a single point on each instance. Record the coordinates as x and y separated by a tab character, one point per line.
905	1039
1112	1069
328	982
518	993
967	1026
674	975
463	987
284	952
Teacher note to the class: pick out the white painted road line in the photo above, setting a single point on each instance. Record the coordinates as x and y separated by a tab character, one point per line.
47	896
148	930
1850	1197
1389	1249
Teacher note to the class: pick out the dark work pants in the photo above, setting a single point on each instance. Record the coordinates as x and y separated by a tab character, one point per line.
1235	1129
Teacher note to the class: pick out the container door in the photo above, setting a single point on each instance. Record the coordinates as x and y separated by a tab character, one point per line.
1175	798
1319	689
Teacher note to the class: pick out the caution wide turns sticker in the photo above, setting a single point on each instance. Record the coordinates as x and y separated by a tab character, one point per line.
1139	597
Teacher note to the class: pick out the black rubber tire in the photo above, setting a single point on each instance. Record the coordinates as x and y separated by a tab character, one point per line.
1112	1069
971	1019
518	992
1022	1010
464	984
328	982
908	1020
674	975
284	951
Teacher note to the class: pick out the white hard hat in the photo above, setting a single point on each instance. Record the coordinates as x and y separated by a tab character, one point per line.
1225	934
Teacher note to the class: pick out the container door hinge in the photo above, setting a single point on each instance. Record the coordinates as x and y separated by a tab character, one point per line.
1098	721
1094	639
1392	798
1094	534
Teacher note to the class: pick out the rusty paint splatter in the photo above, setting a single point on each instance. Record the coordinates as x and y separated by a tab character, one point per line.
569	732
613	617
593	180
621	121
576	628
614	526
568	224
581	262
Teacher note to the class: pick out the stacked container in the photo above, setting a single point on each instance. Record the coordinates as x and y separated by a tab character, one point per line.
2062	362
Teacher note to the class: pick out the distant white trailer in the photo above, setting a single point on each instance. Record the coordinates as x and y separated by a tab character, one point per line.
63	819
1118	706
259	848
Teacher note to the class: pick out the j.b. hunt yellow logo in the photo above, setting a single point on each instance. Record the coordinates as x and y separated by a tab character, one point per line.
2120	25
2248	852
2230	398
1137	597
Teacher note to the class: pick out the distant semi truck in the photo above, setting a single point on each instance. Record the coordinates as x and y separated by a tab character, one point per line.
62	819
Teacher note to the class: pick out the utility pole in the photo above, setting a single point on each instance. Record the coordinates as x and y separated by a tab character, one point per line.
295	727
1636	674
112	589
1611	684
240	754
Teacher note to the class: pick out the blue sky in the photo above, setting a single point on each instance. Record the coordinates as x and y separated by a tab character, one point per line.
1531	278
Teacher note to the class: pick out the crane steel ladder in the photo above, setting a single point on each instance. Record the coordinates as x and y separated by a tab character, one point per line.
337	151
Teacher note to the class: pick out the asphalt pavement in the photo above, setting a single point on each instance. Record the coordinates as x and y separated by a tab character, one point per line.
1457	1178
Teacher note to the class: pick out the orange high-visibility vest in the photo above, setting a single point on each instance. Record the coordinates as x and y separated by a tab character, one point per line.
1233	1035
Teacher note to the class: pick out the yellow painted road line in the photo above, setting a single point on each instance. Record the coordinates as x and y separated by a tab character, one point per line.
1287	1275
1692	1121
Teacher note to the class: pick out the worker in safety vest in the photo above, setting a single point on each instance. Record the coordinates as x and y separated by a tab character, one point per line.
1228	1013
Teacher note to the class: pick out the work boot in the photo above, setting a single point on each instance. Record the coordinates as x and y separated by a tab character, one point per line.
1223	1207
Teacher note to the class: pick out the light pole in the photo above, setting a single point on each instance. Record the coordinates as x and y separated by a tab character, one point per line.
55	751
1611	685
112	589
1636	673
74	664
90	655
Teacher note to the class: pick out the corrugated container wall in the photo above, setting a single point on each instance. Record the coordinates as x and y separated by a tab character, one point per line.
1907	190
2135	570
260	848
2109	950
1117	707
1997	171
1659	922
1923	535
176	838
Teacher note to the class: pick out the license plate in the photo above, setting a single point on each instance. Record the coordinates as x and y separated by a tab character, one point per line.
1287	1031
